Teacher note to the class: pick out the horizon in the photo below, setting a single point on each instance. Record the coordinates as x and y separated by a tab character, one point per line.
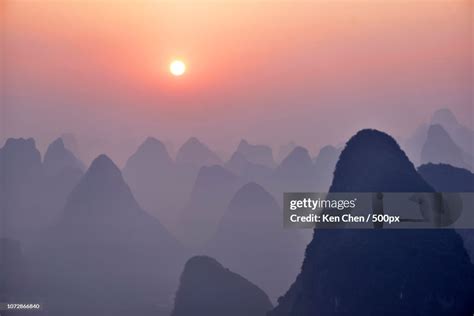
101	72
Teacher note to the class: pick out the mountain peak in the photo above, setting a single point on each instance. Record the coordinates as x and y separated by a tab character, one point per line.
257	154
101	190
202	263
20	152
21	146
440	147
103	165
193	141
153	149
372	161
327	151
102	174
153	143
17	142
58	158
243	143
299	155
195	152
250	197
295	173
57	144
444	117
207	288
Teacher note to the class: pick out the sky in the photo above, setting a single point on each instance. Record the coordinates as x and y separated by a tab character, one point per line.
313	72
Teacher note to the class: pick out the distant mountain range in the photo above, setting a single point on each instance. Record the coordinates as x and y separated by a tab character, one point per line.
257	154
440	148
100	241
33	192
195	153
442	140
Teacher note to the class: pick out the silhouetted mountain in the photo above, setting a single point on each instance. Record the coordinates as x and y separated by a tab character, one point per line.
285	150
21	181
151	174
413	145
207	288
62	173
297	162
14	275
190	158
212	192
237	163
33	193
370	159
251	172
446	178
251	241
151	152
440	148
107	246
56	191
72	144
18	158
405	272
324	165
462	135
257	154
195	153
295	173
58	158
445	118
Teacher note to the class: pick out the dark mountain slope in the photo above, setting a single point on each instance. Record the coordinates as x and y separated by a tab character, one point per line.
207	288
375	272
446	178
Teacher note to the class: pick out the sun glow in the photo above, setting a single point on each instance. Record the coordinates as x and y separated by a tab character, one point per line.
177	68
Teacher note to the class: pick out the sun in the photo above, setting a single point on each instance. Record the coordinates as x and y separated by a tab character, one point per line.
177	68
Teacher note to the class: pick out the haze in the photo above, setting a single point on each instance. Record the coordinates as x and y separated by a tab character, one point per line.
270	72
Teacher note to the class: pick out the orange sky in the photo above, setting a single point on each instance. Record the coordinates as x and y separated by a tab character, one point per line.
254	66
